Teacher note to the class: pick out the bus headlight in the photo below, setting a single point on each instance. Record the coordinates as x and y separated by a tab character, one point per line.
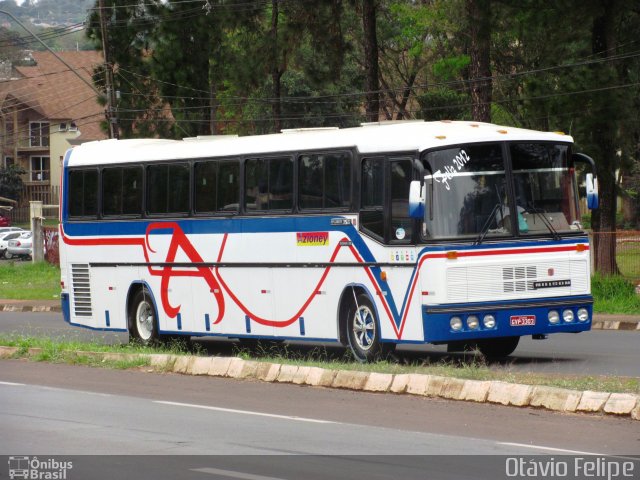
567	316
456	323
554	317
583	314
489	321
473	322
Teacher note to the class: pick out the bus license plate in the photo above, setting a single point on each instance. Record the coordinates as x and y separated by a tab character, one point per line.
522	320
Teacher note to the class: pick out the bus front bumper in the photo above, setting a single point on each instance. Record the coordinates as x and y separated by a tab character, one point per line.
451	323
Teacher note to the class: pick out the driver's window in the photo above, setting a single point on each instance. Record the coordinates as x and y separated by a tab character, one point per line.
401	224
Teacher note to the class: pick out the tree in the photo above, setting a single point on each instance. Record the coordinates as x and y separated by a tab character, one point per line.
372	85
141	112
479	24
11	182
605	130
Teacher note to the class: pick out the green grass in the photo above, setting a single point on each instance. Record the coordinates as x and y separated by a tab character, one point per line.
467	367
614	294
20	280
64	351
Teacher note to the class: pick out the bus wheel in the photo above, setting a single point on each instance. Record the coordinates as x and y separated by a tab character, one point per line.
498	347
363	333
143	322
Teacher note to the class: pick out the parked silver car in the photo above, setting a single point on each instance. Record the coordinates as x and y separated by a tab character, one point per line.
21	247
5	237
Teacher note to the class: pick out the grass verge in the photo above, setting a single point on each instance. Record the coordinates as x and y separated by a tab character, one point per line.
614	294
21	280
465	367
64	351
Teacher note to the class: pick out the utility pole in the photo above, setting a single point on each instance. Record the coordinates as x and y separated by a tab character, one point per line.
112	117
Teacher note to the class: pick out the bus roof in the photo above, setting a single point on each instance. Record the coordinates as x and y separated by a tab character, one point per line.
387	137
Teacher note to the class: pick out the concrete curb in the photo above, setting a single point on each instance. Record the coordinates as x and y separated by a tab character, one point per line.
495	392
11	307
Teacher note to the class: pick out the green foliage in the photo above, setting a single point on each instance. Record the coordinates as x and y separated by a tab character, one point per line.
614	294
450	68
443	104
11	182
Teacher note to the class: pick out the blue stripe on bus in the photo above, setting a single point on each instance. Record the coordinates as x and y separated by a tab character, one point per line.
247	320
106	318
179	318
302	326
207	323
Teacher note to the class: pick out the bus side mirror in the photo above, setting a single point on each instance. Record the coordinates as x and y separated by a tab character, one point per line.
591	180
592	192
416	200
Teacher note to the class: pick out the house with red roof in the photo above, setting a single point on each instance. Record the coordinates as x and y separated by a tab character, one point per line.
45	109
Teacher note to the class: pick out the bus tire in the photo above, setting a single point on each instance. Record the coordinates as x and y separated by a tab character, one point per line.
143	322
363	332
498	347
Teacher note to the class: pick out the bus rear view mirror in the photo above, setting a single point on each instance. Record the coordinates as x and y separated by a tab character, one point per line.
592	191
416	200
591	180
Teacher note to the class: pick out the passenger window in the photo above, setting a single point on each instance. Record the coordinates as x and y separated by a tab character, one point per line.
325	181
168	188
206	175
83	193
269	184
216	186
122	191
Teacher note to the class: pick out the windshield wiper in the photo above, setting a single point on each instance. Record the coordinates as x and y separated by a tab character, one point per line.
485	227
540	214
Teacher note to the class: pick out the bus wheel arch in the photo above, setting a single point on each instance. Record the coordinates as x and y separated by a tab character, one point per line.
142	316
359	325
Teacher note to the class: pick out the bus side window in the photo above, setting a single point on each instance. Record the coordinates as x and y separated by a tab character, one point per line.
122	191
205	175
372	196
168	188
269	184
83	193
228	191
324	181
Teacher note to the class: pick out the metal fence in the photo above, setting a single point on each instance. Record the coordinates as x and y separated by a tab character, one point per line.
627	252
51	250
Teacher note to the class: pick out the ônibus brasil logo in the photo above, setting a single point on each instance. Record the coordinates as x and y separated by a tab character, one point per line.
32	468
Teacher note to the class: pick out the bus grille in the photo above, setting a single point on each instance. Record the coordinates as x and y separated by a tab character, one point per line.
518	279
506	282
81	290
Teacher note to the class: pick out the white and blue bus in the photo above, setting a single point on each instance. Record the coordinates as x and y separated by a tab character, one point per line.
455	233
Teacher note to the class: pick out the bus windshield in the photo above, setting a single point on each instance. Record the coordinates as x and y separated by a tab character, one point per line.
467	195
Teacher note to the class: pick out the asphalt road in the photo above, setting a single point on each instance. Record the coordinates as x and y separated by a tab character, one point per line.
56	410
598	352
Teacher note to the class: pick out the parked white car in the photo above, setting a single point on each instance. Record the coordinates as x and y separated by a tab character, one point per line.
10	229
21	247
5	237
